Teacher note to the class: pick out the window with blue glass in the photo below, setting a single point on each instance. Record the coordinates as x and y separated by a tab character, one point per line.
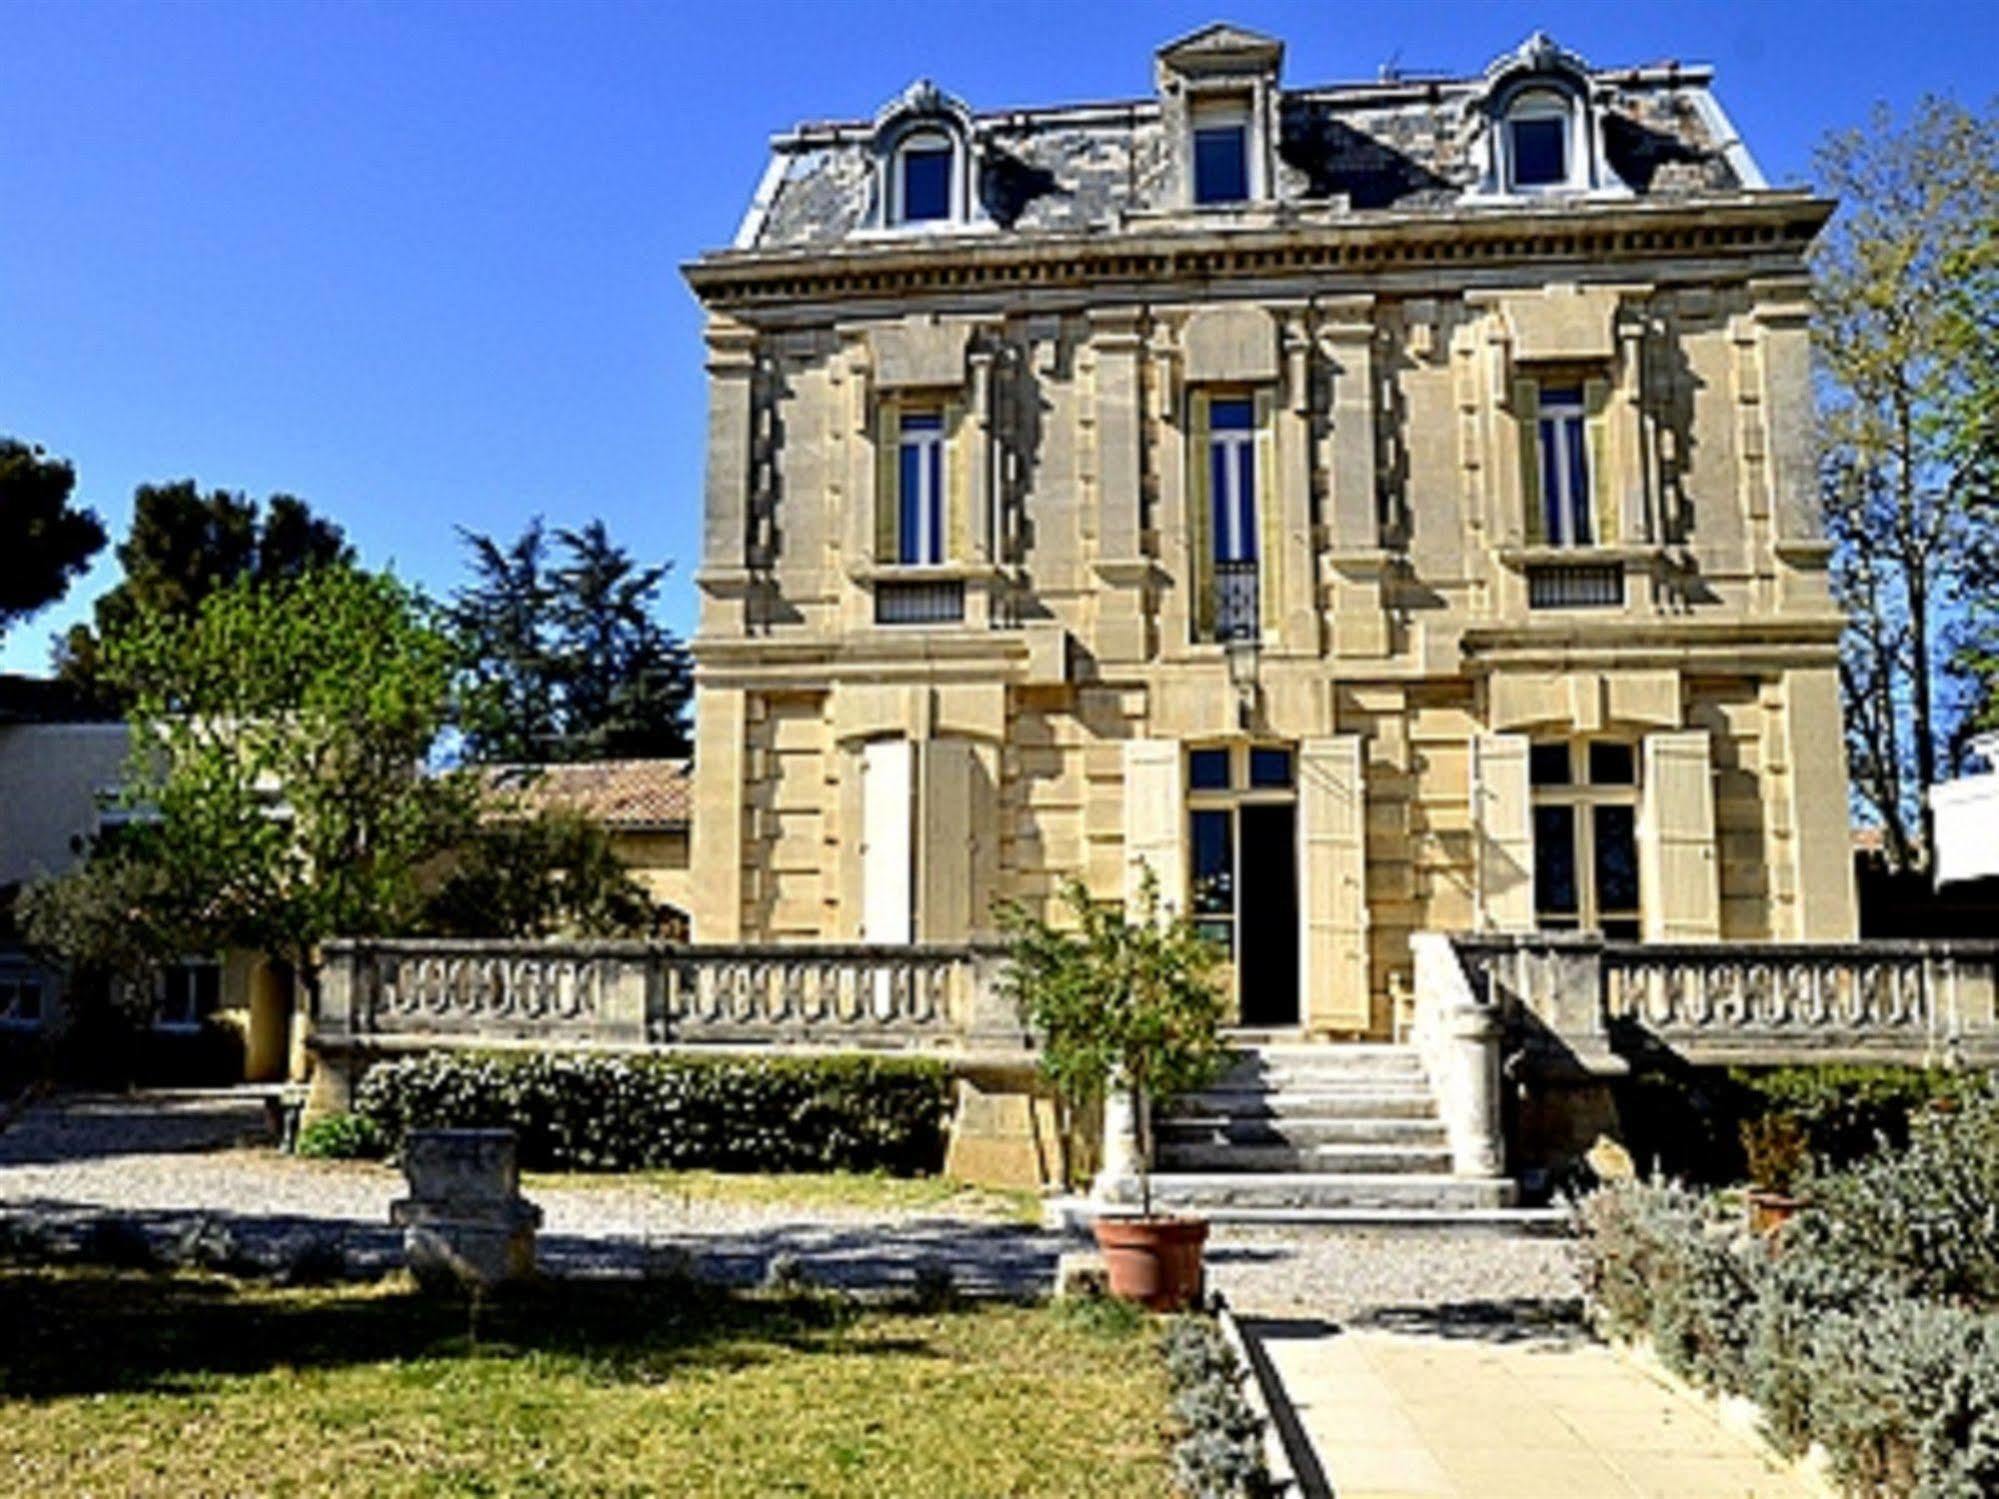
1232	478
1565	478
1221	163
920	489
1537	142
926	180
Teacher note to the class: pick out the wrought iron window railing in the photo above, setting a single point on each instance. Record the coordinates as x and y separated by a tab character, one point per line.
1576	585
1235	600
928	602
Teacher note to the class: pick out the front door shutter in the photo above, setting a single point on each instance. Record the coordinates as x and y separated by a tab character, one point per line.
1332	850
886	879
1155	813
1503	814
948	804
1679	887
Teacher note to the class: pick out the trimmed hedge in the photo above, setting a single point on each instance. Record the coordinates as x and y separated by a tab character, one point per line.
1870	1326
732	1113
1692	1124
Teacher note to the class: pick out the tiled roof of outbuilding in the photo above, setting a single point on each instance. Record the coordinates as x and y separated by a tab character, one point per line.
632	795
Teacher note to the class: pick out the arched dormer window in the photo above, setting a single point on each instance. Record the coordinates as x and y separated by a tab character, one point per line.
1538	141
922	178
1535	125
923	161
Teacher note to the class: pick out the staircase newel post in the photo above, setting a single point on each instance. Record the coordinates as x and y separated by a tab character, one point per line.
1472	1107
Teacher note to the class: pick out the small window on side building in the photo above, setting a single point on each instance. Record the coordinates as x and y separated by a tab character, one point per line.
923	168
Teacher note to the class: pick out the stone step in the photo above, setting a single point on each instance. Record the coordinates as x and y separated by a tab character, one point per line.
1318	1103
1236	1130
1323	1062
1337	1160
1208	1193
1074	1215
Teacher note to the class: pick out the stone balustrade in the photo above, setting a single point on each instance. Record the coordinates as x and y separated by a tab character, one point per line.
425	993
1758	1003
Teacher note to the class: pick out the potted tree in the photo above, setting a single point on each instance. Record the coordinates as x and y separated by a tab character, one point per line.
1776	1148
1125	1001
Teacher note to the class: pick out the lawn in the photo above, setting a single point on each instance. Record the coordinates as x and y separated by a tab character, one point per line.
128	1383
807	1190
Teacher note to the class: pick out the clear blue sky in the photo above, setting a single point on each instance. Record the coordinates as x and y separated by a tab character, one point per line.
417	262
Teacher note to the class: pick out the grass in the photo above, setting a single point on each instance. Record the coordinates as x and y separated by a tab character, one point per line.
813	1190
133	1384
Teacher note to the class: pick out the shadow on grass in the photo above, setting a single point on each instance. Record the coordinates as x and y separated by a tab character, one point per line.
88	1332
984	1258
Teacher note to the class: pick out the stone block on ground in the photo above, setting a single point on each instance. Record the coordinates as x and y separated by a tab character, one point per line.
465	1222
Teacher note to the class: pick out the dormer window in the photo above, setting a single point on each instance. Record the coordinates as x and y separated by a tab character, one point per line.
1221	153
923	179
1537	142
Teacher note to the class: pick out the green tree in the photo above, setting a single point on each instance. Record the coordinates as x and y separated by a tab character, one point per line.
45	541
278	777
549	874
565	656
1125	1000
1908	341
185	546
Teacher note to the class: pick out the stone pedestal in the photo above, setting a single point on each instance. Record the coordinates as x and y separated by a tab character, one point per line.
465	1223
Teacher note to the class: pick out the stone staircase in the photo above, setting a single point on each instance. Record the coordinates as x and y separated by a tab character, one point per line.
1305	1133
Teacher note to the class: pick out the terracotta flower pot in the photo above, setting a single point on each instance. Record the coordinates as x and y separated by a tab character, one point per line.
1770	1210
1153	1261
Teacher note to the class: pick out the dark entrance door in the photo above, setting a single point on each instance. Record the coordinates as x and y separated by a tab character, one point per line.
1267	913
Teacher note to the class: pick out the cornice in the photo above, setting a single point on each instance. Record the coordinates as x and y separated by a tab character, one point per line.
1597	233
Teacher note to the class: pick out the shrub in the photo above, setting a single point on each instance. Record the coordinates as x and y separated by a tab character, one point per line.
613	1113
1220	1452
1845	1111
1872	1328
341	1137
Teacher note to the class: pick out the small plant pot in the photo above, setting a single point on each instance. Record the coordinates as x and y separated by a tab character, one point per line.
1153	1261
1770	1210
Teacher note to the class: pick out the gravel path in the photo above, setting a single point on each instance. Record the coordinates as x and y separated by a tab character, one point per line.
172	1159
169	1160
1386	1276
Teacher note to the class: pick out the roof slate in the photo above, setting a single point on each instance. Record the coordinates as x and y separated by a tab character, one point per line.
1404	145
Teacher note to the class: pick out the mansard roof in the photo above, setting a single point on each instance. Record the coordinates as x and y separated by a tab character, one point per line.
1398	144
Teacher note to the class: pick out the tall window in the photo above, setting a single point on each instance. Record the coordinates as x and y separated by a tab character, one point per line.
1565	478
1232	494
187	993
1537	142
1221	153
920	489
1586	836
923	167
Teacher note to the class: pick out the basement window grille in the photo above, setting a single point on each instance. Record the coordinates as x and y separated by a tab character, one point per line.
932	602
1576	586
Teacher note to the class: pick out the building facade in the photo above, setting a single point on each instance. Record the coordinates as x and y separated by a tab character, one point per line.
1373	509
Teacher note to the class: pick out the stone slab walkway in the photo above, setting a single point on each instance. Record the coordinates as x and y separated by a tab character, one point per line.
1441	1408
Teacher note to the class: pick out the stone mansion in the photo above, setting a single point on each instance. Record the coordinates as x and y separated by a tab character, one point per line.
1376	508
